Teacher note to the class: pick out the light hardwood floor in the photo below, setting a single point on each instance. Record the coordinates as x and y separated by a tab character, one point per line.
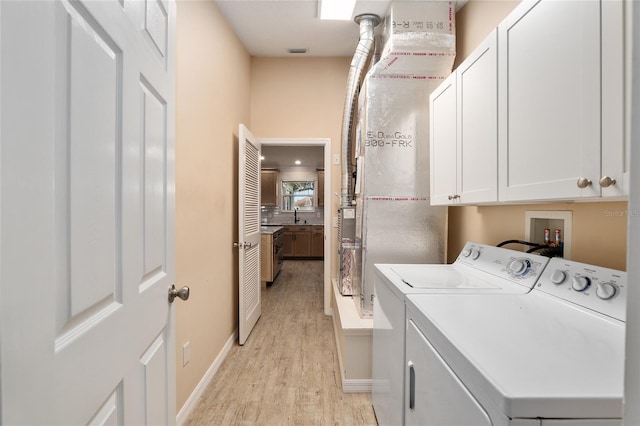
287	372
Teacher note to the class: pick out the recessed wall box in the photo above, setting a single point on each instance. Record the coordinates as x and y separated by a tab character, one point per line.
537	221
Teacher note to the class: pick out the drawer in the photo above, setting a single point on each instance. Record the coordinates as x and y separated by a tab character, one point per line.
297	228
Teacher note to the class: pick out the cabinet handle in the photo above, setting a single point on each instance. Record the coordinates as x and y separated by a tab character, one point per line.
606	181
412	386
583	182
453	197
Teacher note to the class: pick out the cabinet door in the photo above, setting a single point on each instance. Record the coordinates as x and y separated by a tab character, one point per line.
287	241
268	189
549	100
442	115
320	188
317	241
477	136
302	244
615	113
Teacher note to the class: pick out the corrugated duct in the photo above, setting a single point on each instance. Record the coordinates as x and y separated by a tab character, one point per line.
367	23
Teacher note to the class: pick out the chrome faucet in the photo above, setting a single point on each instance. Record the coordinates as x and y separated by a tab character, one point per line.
295	216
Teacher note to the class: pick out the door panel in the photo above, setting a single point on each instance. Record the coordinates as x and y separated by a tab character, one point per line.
154	139
94	157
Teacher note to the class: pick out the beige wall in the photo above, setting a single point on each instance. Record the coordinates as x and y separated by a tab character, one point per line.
301	98
599	229
212	97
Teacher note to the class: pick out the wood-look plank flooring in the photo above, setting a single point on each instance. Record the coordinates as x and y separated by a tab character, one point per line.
287	372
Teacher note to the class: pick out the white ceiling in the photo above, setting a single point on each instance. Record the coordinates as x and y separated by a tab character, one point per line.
271	27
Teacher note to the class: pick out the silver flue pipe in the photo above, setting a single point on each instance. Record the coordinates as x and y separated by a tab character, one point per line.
367	23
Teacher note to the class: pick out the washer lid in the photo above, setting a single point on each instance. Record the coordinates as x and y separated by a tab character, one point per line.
530	355
440	277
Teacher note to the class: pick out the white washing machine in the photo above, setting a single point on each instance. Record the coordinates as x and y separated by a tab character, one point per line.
553	357
479	269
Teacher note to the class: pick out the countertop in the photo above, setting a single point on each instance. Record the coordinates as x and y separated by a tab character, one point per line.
270	230
301	223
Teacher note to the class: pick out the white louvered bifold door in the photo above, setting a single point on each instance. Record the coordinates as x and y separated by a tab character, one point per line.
249	232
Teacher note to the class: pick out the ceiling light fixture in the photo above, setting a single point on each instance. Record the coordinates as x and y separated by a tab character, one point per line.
337	10
297	162
261	157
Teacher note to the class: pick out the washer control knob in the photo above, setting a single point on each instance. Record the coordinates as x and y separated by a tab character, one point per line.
606	290
466	252
475	254
558	276
519	266
580	283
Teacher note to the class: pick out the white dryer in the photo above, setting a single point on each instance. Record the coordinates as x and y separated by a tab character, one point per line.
479	269
552	357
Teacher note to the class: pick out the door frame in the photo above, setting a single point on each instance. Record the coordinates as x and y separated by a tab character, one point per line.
326	144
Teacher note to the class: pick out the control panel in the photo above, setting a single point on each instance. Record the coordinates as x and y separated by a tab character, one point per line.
597	288
523	268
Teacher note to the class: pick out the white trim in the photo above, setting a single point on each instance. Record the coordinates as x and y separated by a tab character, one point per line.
192	401
349	385
363	328
326	143
338	349
357	385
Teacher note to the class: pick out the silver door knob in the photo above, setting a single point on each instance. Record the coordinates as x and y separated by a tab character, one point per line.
584	182
606	181
183	293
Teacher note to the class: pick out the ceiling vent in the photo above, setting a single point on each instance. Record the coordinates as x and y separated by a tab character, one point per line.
298	50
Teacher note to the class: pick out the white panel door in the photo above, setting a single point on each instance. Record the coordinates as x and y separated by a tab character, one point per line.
248	232
549	100
87	196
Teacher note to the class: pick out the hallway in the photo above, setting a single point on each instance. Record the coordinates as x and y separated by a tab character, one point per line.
287	373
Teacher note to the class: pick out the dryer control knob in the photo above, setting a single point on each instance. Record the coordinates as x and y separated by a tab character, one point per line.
475	254
580	283
558	276
519	266
466	252
606	290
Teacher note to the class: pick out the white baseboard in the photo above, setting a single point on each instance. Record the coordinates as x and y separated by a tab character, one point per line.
357	385
190	404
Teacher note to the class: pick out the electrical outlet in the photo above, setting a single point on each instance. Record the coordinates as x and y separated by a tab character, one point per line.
186	353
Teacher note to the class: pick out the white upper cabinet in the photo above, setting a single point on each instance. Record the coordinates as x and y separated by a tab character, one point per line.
561	114
443	145
559	88
464	127
478	124
615	112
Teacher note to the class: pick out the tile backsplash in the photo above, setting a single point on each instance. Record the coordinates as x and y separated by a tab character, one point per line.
273	216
